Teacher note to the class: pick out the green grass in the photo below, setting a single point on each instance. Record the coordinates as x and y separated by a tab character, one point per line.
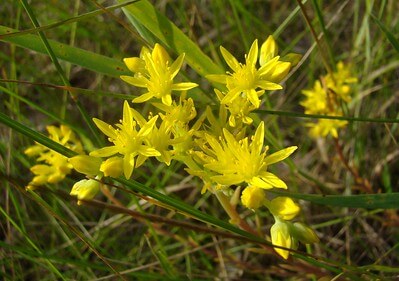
180	234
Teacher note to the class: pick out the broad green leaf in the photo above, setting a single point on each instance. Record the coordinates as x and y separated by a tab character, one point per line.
171	36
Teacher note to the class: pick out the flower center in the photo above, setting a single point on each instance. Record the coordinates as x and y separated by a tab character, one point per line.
245	77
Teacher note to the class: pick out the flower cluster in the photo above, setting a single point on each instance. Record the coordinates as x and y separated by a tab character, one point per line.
327	97
54	166
214	147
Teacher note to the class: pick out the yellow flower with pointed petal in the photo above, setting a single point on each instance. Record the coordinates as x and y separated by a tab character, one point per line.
127	140
240	161
155	72
340	80
326	98
246	78
316	100
325	127
55	166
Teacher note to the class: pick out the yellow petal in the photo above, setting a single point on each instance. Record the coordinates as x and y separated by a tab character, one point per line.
141	82
268	50
105	151
273	180
128	165
279	155
159	55
134	64
230	59
107	129
253	54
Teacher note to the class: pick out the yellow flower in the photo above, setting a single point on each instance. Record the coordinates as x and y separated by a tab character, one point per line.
247	80
325	127
155	72
252	197
127	140
316	100
284	208
326	98
339	81
240	161
55	166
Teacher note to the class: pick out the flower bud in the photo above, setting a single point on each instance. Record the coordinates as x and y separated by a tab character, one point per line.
85	164
112	167
280	235
85	189
284	208
304	233
252	197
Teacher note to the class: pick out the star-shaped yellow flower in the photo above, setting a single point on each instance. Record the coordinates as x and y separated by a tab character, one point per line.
155	72
240	161
246	79
127	140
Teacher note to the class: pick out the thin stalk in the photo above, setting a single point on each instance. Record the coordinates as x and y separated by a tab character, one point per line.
315	37
317	116
358	179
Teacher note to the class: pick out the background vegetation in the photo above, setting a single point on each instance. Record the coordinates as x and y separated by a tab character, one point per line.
47	236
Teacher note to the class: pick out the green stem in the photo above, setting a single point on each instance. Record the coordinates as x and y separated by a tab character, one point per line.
232	212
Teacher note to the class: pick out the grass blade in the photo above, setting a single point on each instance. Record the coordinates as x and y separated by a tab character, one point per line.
172	37
76	56
365	201
388	34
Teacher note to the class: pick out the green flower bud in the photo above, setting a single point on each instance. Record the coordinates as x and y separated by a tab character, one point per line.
303	233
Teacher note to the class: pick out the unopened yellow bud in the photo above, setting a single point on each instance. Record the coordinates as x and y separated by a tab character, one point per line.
85	164
284	208
112	167
252	197
281	237
39	180
85	189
